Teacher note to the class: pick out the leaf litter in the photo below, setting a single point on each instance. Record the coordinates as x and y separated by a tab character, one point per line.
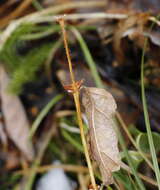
15	119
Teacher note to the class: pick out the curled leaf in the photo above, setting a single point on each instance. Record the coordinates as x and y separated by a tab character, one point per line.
100	108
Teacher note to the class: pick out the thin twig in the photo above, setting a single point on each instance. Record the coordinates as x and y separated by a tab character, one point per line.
76	169
123	125
77	103
145	178
66	167
17	12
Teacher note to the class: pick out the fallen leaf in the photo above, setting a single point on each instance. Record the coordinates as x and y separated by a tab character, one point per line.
3	137
15	119
100	108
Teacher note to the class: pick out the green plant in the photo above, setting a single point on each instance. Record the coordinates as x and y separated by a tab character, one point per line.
23	66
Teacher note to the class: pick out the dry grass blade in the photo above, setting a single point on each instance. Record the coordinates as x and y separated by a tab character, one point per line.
66	167
15	13
132	140
77	16
145	178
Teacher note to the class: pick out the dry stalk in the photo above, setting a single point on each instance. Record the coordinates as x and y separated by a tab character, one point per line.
15	13
75	92
46	168
123	125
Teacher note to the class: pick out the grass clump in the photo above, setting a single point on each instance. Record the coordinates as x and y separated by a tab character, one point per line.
23	66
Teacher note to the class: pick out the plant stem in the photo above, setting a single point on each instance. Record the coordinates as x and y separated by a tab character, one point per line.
77	104
123	125
147	120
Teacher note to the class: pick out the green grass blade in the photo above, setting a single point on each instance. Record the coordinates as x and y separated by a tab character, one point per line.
41	34
72	141
147	121
43	113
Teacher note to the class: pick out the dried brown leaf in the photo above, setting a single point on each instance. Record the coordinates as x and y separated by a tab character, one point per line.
3	136
15	118
154	37
137	20
100	108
